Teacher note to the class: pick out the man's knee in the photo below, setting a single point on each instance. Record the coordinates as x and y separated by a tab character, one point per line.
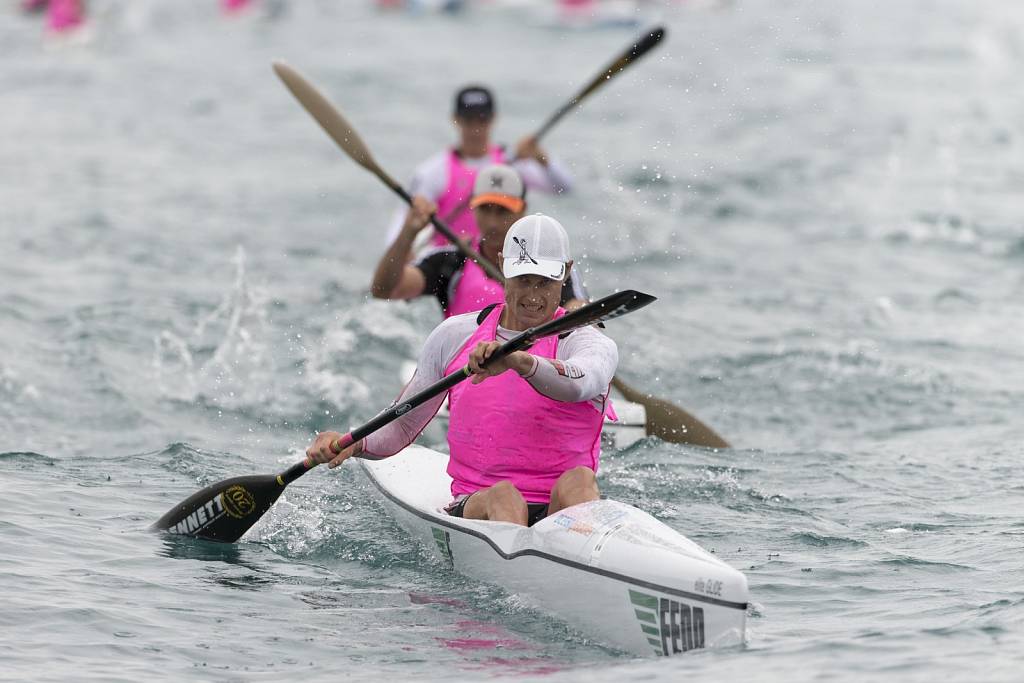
505	503
575	486
577	477
505	493
500	502
505	489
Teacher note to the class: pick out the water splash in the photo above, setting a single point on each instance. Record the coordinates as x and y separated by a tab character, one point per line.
372	331
13	390
225	357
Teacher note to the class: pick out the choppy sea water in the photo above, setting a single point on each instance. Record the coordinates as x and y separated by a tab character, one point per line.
824	195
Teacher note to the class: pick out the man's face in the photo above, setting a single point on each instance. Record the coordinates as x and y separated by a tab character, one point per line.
494	221
474	129
532	299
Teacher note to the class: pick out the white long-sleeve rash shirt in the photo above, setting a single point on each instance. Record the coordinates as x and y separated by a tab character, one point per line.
581	371
431	179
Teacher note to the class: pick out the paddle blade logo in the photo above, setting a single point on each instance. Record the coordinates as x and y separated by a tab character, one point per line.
238	501
621	309
197	520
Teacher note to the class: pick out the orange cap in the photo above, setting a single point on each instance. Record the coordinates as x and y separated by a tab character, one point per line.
513	204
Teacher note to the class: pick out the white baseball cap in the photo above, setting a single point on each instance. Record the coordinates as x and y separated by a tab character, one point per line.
536	245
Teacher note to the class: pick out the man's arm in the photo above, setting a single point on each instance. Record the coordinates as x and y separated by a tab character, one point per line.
540	171
439	350
584	368
582	372
429	180
394	277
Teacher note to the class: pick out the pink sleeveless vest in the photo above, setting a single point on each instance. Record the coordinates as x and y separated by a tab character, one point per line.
64	15
503	429
474	291
458	192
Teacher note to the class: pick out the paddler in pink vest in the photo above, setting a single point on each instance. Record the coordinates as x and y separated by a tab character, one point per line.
459	284
525	433
63	16
447	178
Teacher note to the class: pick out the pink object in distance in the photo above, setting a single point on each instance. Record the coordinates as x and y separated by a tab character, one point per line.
64	15
233	6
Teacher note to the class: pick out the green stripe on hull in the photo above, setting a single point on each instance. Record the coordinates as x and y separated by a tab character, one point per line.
643	600
443	543
645	616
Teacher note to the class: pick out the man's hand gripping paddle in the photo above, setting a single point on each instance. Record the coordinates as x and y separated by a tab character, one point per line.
226	510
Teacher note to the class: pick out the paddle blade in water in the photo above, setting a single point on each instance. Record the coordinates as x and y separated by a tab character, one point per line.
225	510
671	423
668	421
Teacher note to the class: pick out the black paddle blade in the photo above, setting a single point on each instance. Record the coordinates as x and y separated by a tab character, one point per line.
635	52
652	38
225	510
639	49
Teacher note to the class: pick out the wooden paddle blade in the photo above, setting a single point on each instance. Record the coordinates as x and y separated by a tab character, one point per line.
225	510
669	422
329	118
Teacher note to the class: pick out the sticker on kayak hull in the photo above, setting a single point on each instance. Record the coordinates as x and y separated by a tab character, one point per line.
670	626
444	543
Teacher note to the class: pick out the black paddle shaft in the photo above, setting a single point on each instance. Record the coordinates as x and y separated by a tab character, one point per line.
226	510
442	227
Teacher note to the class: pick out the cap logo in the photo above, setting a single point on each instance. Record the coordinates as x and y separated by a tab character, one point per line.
497	181
524	255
